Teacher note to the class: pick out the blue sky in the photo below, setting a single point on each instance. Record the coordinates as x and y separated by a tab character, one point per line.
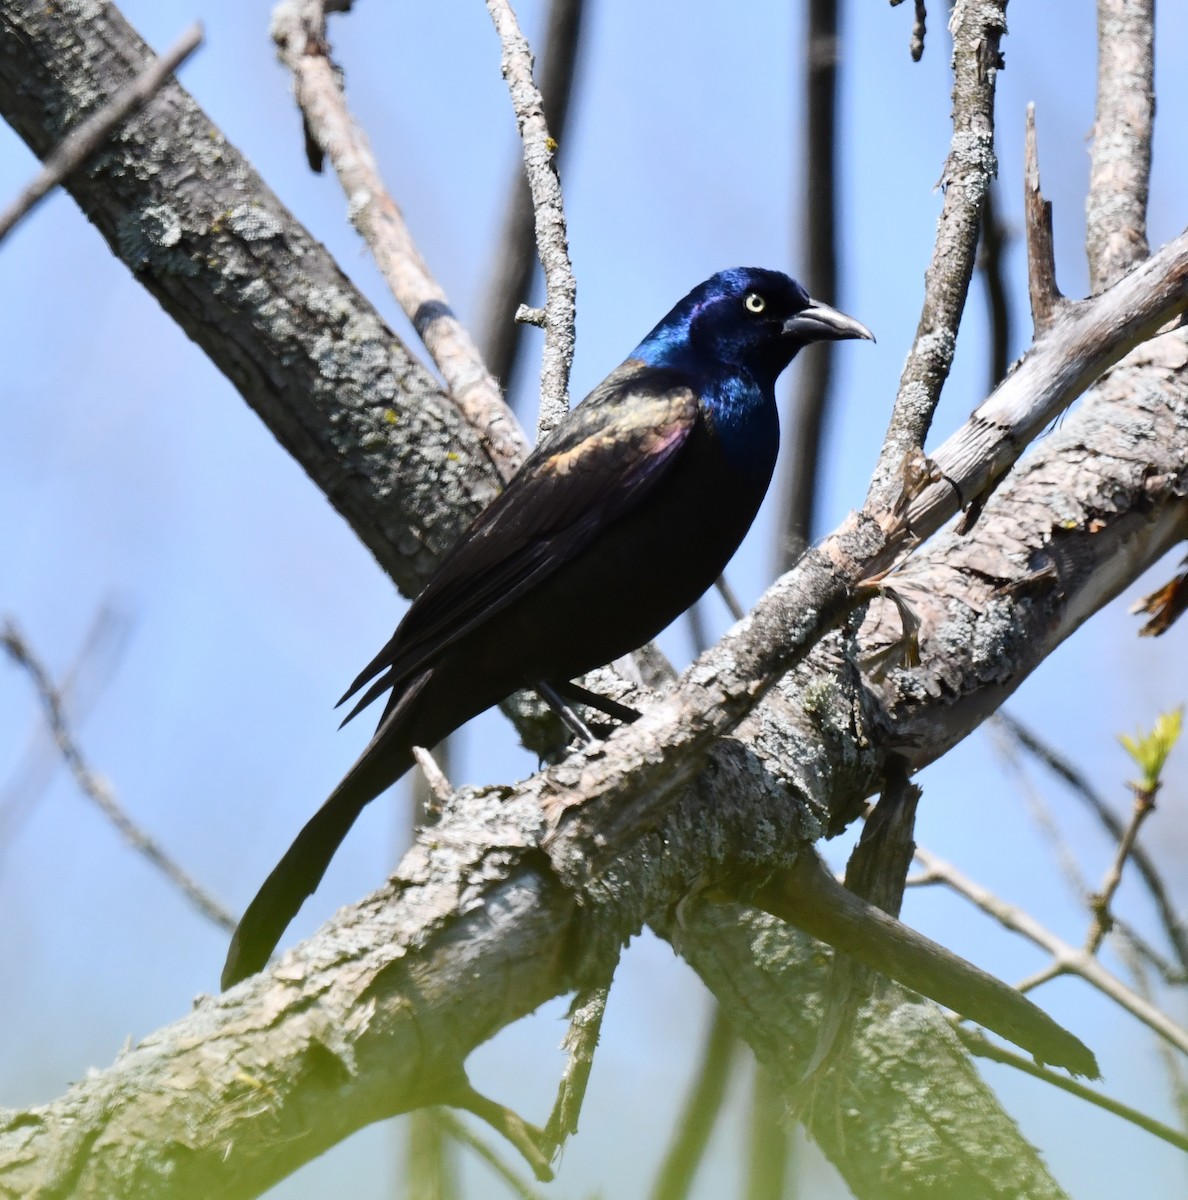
133	476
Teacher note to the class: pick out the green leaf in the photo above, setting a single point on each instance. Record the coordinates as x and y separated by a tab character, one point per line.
1150	750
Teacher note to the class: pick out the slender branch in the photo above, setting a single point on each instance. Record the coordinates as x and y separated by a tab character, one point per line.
97	790
977	1043
1116	206
502	336
818	243
430	1156
1081	788
78	688
299	30
1066	959
551	240
80	143
1173	1064
977	30
1144	805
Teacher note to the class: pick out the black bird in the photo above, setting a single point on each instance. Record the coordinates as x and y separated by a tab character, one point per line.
612	528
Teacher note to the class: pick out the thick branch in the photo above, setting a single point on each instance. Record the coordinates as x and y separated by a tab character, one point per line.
84	140
201	230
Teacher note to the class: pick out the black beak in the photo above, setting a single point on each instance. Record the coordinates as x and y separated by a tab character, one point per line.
818	322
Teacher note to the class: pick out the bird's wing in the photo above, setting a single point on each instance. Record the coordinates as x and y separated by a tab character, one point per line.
607	455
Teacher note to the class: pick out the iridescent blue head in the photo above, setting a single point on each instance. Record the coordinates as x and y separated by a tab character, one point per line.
748	319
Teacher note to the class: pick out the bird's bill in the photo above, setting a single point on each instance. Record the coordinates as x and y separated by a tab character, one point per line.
820	323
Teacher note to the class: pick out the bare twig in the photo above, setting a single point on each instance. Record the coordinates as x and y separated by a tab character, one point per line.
919	28
1173	1064
502	337
703	1105
1027	738
977	31
977	1043
299	30
736	610
1144	805
1116	206
79	144
818	241
78	688
97	790
1066	959
506	1121
1046	300
551	241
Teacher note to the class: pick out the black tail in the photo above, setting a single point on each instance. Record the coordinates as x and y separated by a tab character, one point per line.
292	879
387	756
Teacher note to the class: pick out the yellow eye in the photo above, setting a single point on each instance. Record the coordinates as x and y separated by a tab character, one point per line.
754	302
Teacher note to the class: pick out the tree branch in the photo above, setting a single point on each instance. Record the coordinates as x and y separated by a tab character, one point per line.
299	30
551	239
82	141
1116	207
978	27
510	286
98	791
263	299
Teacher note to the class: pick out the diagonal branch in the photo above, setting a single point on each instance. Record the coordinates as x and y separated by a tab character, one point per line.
299	30
978	28
540	150
98	791
89	136
1066	959
183	209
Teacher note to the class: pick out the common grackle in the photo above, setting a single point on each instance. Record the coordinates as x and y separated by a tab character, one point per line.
611	529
